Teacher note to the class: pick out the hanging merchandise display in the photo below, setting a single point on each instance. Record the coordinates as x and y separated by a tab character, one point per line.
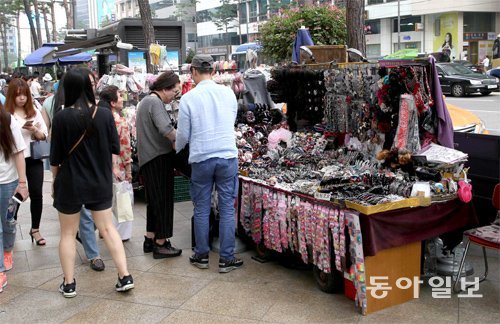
357	139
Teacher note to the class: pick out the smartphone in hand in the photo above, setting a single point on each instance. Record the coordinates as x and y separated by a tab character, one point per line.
28	123
18	198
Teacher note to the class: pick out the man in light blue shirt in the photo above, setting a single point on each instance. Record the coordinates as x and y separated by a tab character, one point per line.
2	99
206	121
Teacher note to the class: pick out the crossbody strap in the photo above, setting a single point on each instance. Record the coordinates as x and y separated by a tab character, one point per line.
81	137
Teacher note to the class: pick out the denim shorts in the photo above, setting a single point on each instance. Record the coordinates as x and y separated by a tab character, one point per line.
75	208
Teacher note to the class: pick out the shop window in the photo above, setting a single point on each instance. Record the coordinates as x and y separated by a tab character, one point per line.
373	2
479	22
243	13
372	27
191	37
407	23
373	50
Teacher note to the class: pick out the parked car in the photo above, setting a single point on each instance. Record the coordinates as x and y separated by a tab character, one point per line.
473	67
458	80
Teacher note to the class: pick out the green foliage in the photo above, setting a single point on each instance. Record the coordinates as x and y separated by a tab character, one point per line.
224	15
190	55
327	26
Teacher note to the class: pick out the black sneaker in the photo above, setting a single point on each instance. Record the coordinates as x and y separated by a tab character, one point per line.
147	247
97	264
165	251
68	290
229	265
199	261
124	284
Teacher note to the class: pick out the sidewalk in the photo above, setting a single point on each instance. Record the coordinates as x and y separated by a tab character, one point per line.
172	291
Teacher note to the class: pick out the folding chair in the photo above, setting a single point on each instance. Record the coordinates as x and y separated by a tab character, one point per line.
486	237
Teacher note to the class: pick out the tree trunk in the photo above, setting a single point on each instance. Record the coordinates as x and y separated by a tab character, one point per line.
149	32
18	25
70	24
53	18
27	10
46	22
355	27
5	50
37	20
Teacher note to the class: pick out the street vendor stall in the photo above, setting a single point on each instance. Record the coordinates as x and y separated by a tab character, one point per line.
359	180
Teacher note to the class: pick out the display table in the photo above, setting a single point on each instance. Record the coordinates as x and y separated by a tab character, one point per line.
386	244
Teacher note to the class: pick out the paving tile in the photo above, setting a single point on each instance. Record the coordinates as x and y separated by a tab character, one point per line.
90	282
46	257
20	262
110	311
180	266
161	290
35	278
270	273
295	306
183	316
478	263
484	309
142	262
38	306
237	299
412	312
10	292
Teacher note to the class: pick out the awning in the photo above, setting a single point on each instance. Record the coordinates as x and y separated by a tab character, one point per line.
39	57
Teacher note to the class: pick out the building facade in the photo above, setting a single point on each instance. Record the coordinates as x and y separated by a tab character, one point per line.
467	27
220	41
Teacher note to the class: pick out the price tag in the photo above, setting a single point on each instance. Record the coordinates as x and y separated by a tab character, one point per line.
323	196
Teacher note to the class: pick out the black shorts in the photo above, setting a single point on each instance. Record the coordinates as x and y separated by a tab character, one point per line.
74	208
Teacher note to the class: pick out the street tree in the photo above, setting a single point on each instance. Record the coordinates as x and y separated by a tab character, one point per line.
355	29
186	10
37	21
68	7
28	12
225	16
327	26
7	14
44	8
147	25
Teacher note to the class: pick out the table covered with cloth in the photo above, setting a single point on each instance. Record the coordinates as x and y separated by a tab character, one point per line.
403	226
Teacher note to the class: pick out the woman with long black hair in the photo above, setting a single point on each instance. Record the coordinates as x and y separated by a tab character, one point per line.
12	180
83	141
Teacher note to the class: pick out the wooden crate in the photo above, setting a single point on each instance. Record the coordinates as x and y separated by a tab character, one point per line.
325	54
394	263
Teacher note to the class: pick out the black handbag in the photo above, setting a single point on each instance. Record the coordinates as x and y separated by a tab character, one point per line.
40	149
181	163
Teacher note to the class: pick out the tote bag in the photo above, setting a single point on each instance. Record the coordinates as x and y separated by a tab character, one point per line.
40	149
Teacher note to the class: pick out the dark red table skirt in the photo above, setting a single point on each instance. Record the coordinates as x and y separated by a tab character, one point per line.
403	226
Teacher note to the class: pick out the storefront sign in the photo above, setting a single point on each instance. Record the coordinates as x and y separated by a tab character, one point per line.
407	37
475	36
212	50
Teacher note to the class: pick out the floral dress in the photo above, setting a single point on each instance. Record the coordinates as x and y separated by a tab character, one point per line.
125	158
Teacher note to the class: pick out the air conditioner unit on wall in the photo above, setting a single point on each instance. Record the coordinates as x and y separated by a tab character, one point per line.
419	27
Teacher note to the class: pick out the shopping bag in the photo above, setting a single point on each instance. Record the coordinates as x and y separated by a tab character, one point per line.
123	199
40	150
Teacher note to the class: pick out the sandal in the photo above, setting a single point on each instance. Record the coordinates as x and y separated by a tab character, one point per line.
41	241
